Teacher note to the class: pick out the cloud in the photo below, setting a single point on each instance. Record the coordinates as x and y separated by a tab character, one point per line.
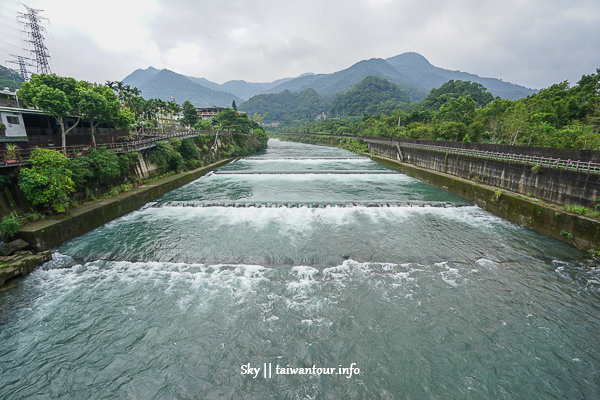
534	43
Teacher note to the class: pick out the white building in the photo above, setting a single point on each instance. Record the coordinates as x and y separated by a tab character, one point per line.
11	117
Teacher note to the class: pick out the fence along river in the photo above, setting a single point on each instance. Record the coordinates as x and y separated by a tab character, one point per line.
296	274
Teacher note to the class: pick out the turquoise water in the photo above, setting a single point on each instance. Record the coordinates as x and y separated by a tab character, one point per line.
174	300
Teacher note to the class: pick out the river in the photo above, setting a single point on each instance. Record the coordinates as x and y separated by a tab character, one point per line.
305	272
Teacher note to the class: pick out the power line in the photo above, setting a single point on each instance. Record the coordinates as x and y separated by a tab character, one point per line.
56	63
23	63
34	30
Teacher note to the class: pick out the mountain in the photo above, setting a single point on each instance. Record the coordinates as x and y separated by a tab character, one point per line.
165	84
416	68
329	85
242	89
372	95
411	72
9	79
286	106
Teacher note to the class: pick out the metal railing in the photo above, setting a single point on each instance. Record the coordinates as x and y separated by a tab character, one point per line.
548	162
21	156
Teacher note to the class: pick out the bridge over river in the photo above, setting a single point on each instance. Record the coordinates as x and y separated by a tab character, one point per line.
305	272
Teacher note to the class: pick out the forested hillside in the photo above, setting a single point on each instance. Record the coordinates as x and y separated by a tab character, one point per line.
562	116
9	79
411	72
287	106
372	96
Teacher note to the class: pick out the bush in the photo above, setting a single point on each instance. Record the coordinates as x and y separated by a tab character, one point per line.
126	161
9	225
82	172
48	181
105	165
162	153
189	150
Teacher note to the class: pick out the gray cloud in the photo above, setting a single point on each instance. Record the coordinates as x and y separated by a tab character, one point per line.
534	43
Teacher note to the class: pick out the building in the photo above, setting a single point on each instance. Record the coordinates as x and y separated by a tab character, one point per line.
206	113
12	117
30	127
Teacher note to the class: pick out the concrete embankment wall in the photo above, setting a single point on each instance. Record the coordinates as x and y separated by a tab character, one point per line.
576	230
549	184
56	230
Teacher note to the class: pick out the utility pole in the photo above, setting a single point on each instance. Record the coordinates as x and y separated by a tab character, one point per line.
31	24
23	63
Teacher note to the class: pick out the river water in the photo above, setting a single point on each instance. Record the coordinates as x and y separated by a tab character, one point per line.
344	292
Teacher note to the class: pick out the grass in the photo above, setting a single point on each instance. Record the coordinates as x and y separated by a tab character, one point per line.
581	210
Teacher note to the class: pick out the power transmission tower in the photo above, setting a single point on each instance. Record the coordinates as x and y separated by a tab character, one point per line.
31	23
23	62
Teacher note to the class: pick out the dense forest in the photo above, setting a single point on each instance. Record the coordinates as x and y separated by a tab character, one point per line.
562	116
9	79
287	107
373	95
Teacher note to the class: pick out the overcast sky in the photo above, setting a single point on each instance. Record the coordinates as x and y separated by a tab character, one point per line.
534	43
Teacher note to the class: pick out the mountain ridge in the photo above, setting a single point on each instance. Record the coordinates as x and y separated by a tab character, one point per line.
412	72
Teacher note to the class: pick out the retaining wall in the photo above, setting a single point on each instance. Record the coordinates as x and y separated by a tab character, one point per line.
549	184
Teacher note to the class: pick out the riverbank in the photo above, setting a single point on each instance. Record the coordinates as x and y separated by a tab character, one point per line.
548	219
55	230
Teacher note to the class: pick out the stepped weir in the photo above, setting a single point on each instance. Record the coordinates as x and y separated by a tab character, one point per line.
281	262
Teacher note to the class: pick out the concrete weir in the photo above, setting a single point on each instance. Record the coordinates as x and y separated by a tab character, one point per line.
263	204
313	172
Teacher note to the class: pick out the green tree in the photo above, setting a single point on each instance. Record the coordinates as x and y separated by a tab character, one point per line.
455	89
460	109
190	114
57	96
48	181
373	95
229	119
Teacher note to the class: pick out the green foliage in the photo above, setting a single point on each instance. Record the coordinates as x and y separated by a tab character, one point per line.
105	165
10	79
354	145
286	106
81	171
454	90
262	137
48	181
453	131
162	153
190	114
559	116
373	95
203	126
189	150
581	210
9	225
569	235
229	119
11	150
461	110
